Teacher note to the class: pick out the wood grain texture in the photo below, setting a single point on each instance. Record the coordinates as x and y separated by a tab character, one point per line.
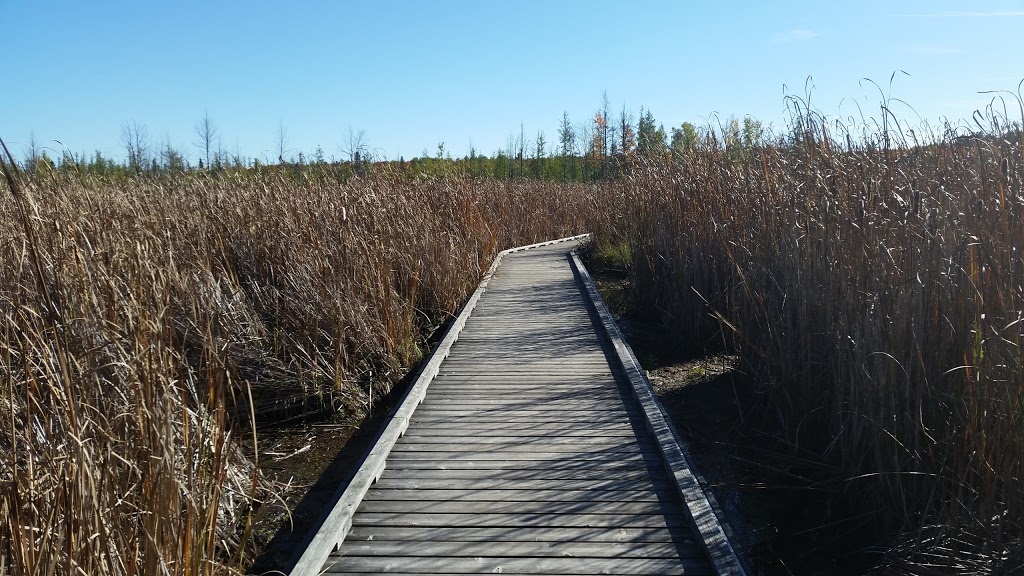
703	518
499	565
338	518
529	453
519	534
566	549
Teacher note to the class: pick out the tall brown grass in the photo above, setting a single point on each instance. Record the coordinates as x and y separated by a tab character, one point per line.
876	279
146	324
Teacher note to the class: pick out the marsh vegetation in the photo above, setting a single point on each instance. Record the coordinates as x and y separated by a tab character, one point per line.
868	278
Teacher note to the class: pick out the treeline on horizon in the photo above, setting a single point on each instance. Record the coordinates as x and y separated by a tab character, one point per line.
603	148
600	148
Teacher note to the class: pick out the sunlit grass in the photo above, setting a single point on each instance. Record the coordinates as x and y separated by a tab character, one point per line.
146	324
876	282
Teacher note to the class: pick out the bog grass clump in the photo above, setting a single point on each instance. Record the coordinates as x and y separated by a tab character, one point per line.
147	323
873	276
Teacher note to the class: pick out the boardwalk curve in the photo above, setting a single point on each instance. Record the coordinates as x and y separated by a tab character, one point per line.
539	449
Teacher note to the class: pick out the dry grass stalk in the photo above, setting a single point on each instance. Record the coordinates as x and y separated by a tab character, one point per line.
146	322
878	281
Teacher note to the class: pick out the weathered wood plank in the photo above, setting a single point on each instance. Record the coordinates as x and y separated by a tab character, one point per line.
545	466
557	549
520	534
500	389
503	392
493	419
517	473
468	446
500	404
337	518
521	344
617	508
597	367
443	412
720	550
429	412
554	378
562	402
483	565
541	350
513	403
523	441
533	383
539	375
555	430
544	461
530	454
643	494
468	439
538	380
550	451
528	429
533	387
596	465
483	481
522	520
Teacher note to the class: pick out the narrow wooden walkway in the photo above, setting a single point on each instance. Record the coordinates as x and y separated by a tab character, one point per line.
531	453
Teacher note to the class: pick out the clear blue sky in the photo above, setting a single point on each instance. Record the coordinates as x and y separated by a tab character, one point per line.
412	74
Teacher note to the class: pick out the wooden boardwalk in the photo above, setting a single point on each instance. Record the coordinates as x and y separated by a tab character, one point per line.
534	451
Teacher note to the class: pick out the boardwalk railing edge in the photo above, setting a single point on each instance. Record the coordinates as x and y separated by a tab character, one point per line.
336	522
724	559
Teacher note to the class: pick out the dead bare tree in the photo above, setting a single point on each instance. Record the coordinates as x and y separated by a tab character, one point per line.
355	145
521	149
206	137
135	138
282	142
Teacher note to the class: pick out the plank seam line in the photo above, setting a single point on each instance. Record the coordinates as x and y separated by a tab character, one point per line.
723	556
336	521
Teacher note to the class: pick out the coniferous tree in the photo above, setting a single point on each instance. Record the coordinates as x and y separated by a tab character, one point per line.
171	158
607	134
598	143
647	135
567	139
538	155
627	137
31	153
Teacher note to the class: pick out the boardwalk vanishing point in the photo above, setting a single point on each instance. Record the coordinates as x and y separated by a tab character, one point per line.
530	443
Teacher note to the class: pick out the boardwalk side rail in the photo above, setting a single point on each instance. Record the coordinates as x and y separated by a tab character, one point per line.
723	556
337	520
